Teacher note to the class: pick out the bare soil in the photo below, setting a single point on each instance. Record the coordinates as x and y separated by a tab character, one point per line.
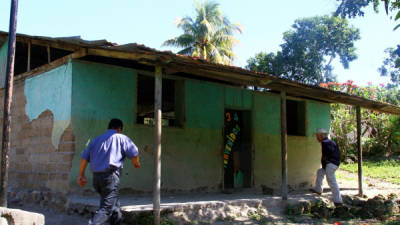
348	183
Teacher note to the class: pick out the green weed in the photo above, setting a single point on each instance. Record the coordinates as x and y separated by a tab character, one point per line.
388	170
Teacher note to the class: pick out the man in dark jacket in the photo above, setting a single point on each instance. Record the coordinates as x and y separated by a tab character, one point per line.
330	162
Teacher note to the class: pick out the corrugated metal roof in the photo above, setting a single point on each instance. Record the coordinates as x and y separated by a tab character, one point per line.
200	67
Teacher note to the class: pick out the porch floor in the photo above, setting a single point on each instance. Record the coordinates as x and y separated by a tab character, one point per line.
212	206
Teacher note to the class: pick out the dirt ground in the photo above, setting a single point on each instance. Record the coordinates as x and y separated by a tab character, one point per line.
348	183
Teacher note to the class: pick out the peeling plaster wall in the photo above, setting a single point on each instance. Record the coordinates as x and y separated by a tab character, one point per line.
51	91
42	141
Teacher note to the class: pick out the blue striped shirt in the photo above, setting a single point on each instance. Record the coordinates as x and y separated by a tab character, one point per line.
108	150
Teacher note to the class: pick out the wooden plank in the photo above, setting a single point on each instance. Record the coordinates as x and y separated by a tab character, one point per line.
209	75
145	58
48	54
157	144
52	44
284	146
28	65
9	84
359	151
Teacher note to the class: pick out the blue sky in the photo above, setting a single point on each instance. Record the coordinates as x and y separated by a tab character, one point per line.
152	22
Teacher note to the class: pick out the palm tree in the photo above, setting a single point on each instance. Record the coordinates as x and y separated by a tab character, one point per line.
208	36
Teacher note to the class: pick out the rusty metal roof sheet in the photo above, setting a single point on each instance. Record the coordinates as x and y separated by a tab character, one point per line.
203	68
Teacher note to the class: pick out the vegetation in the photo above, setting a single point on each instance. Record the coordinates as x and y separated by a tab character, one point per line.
391	65
208	36
341	175
388	170
354	8
309	49
380	132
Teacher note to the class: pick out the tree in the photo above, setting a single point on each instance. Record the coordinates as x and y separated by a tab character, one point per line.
208	36
391	66
354	8
309	49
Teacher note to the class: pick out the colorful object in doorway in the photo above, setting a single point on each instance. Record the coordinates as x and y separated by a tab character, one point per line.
231	137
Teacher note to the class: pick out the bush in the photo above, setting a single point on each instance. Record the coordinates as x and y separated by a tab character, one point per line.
380	132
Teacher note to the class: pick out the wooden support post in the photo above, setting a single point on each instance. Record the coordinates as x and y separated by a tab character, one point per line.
48	54
284	146
157	144
28	64
7	102
359	148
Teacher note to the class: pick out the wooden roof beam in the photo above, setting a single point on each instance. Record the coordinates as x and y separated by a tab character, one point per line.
52	44
147	59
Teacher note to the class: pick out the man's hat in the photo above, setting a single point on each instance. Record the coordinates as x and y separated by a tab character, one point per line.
321	131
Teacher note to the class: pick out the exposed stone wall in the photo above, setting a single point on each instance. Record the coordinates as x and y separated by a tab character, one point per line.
34	161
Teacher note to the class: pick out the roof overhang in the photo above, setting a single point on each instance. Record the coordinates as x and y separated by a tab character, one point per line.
173	63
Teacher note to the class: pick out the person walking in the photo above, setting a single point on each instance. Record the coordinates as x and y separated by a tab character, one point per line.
106	154
330	162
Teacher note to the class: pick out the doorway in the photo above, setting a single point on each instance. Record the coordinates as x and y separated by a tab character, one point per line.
237	149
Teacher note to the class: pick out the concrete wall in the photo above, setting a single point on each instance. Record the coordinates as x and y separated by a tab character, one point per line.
42	142
192	154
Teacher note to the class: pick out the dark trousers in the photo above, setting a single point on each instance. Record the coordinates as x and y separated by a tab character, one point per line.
107	185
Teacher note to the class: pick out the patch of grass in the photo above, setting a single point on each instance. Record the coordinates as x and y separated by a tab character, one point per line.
341	176
388	170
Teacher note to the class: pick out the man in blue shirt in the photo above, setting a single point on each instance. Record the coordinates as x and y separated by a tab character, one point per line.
330	162
106	154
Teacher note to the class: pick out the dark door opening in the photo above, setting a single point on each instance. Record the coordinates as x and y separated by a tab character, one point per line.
237	149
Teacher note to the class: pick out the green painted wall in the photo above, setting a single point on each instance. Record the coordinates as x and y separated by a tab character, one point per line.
318	116
266	140
3	63
238	98
192	154
304	152
99	93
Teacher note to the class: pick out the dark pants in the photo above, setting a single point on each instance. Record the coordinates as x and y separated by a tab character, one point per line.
107	185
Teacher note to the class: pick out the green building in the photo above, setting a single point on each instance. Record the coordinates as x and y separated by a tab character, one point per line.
218	132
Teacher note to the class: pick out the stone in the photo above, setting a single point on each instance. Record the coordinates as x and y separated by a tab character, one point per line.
321	209
295	210
306	206
16	216
364	214
392	196
357	201
3	221
390	207
347	199
342	212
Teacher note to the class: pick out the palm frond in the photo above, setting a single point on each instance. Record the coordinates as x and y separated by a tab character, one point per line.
209	35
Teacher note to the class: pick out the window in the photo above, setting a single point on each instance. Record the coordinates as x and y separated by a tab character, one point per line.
296	117
172	101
